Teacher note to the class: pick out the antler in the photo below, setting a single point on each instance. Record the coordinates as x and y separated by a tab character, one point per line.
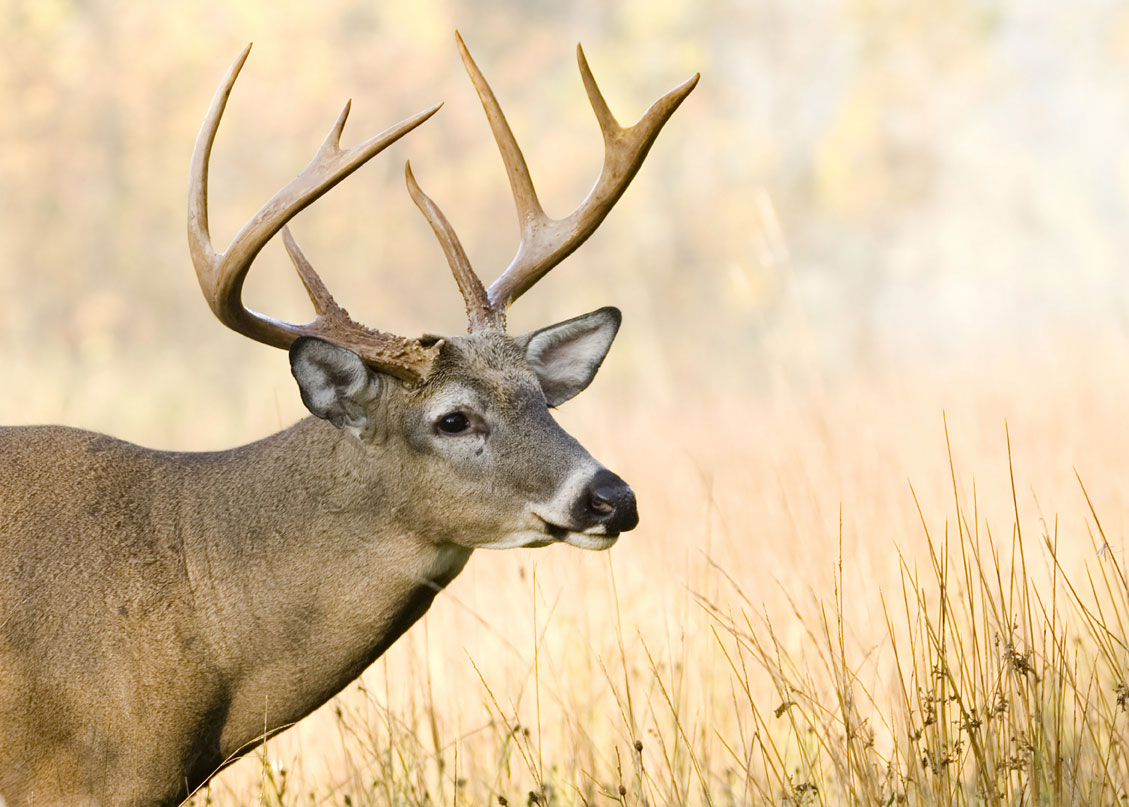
221	275
546	241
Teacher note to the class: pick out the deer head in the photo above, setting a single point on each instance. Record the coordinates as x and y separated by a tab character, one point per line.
467	418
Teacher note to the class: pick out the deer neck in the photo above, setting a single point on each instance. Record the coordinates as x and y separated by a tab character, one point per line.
305	575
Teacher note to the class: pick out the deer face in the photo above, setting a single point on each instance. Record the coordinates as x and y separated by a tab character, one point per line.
485	465
482	461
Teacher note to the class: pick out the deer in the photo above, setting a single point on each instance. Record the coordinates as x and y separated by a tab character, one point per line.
164	613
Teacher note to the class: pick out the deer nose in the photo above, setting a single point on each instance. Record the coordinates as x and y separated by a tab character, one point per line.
611	502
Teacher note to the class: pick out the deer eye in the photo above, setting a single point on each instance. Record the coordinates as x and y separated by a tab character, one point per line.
454	423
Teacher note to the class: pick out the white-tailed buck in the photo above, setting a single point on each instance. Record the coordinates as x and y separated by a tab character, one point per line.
163	613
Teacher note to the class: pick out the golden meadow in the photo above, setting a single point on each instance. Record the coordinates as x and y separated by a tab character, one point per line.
869	390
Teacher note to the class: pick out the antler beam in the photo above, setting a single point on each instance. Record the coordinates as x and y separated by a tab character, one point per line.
221	275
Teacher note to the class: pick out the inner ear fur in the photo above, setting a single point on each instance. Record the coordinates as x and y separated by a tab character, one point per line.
567	355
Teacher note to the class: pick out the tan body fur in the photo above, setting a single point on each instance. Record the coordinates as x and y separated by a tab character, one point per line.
149	601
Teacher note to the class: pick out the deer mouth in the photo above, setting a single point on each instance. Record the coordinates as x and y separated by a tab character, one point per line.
555	531
589	539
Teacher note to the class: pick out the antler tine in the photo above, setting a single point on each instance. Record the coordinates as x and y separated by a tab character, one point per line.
316	289
546	241
521	183
403	358
480	314
221	275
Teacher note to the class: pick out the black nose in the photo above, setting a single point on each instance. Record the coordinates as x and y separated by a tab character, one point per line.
611	502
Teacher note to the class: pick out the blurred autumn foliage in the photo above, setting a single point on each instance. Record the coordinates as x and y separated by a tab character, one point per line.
851	184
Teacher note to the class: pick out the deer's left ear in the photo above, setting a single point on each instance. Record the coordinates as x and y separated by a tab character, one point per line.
567	355
335	384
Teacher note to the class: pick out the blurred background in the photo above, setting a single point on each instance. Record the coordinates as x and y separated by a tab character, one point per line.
868	216
853	185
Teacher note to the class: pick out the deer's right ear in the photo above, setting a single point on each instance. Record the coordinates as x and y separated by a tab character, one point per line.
567	355
336	384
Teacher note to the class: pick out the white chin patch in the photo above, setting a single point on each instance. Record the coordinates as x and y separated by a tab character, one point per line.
532	539
587	541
